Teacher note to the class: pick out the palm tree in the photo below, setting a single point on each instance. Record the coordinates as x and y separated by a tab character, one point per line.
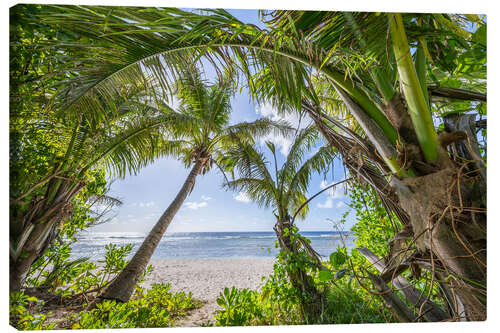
122	145
359	65
201	144
398	125
285	191
56	155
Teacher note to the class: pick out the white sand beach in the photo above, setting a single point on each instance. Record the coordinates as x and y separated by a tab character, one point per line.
206	278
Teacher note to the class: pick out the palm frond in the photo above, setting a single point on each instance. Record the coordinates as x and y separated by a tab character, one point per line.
318	163
107	200
304	141
249	131
259	191
138	144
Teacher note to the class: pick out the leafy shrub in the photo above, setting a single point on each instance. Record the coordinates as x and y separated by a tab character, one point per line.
280	303
81	276
175	303
158	308
23	312
75	278
240	307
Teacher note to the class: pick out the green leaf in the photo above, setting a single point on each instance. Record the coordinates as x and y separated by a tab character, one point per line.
324	275
221	302
480	36
265	294
337	259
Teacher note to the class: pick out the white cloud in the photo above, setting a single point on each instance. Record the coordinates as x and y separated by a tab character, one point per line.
243	197
328	203
334	193
196	205
143	204
205	198
266	110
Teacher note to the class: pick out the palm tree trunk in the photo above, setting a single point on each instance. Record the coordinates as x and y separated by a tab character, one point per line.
312	308
449	216
34	231
446	211
123	285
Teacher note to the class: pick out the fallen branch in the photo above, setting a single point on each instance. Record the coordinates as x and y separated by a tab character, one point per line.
431	312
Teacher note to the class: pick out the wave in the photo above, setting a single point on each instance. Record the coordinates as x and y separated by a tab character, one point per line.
214	237
172	237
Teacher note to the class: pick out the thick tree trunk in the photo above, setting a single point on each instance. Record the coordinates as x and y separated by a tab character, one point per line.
124	284
447	209
449	223
33	230
299	279
444	209
18	271
41	236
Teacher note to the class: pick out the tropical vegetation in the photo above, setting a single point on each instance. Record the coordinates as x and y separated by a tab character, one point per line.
284	189
200	137
399	98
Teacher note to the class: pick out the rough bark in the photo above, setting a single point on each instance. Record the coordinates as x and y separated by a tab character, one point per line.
395	305
449	223
443	208
18	271
124	284
456	93
299	279
34	231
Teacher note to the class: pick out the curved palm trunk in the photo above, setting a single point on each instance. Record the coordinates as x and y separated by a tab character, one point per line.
123	285
299	278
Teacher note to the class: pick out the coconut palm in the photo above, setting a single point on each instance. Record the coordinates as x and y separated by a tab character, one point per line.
56	155
424	163
200	146
360	66
285	190
121	146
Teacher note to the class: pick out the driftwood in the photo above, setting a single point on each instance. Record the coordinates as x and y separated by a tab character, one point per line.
393	302
428	309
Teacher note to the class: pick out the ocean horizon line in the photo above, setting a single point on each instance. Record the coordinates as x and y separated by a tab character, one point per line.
207	232
215	244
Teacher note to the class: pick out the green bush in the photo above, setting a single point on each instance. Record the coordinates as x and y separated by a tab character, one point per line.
240	307
279	303
158	307
23	312
81	276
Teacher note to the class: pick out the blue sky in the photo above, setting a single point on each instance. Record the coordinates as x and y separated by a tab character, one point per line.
209	207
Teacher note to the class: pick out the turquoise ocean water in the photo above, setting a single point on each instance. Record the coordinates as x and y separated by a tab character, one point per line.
208	244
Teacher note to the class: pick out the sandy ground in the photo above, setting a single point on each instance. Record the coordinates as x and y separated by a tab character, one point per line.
206	278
